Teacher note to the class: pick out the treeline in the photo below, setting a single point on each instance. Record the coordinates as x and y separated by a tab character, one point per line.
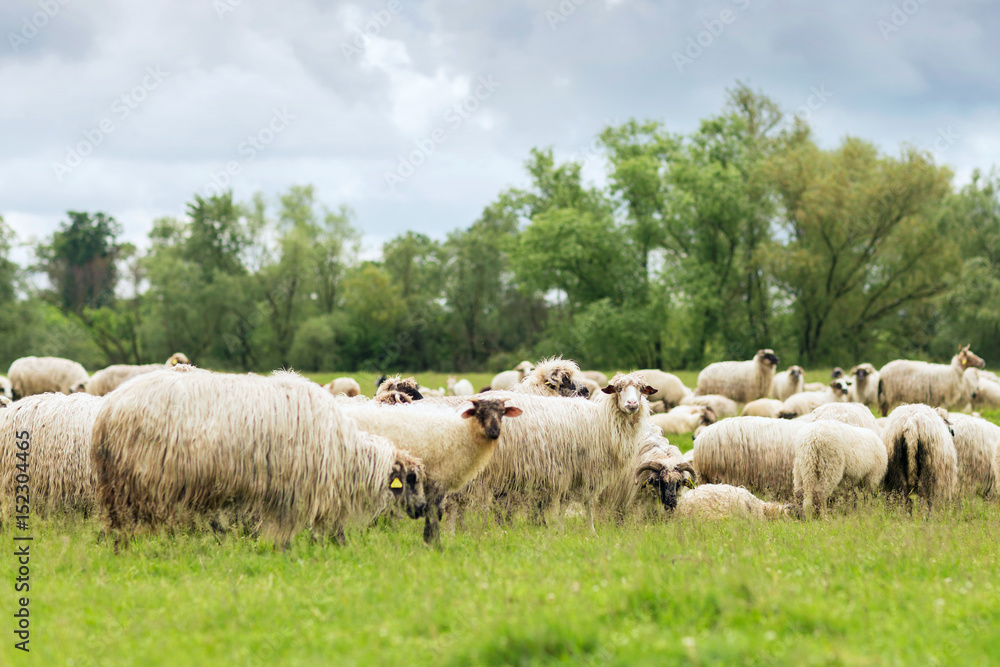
741	235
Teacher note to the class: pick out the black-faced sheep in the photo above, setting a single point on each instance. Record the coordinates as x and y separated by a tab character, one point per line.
922	456
742	381
552	377
940	385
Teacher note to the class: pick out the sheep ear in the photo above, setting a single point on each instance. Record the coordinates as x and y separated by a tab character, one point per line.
608	390
471	412
511	411
648	391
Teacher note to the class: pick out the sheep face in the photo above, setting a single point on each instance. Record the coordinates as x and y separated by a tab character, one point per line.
862	371
970	359
523	369
629	390
78	388
837	373
795	372
489	413
668	482
767	357
406	482
841	387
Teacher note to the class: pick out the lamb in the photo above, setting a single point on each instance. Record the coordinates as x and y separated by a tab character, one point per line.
829	454
46	439
684	419
976	444
721	501
755	452
763	407
864	388
922	456
722	407
742	381
669	387
458	387
509	379
854	414
787	382
343	385
807	401
939	385
276	447
552	377
567	448
108	379
454	445
38	375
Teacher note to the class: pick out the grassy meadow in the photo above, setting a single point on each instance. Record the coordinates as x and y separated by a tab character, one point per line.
868	586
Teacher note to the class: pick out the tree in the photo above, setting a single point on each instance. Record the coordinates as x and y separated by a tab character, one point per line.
80	261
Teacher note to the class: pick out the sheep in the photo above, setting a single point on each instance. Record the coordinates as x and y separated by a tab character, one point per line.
454	446
108	379
552	377
598	377
458	387
46	437
276	447
397	390
976	444
922	456
722	407
807	401
656	464
864	387
814	387
755	452
508	379
669	387
4	401
854	414
742	381
567	448
787	382
38	375
987	391
939	385
762	407
836	373
592	388
684	419
343	385
829	454
5	389
721	501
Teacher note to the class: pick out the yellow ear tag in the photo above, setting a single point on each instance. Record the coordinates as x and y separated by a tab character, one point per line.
396	484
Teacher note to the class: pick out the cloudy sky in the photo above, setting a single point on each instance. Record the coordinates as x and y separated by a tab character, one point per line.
417	113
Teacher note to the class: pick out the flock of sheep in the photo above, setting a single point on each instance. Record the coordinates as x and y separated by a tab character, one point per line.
167	444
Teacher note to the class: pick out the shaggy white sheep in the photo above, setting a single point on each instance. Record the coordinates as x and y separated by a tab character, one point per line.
684	419
854	414
807	401
742	381
922	456
987	391
552	377
976	444
722	407
864	385
787	382
755	452
38	375
721	501
939	385
762	407
508	379
668	386
343	385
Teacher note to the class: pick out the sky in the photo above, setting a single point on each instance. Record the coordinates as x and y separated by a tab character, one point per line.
418	113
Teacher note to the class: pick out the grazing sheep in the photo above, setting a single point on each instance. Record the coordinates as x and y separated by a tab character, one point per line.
5	389
685	419
721	501
742	381
939	385
755	452
854	414
976	444
762	407
552	377
598	377
276	447
509	379
454	445
987	392
829	454
38	375
458	387
567	448
55	430
343	385
669	387
656	464
108	379
722	407
807	401
922	456
787	382
864	387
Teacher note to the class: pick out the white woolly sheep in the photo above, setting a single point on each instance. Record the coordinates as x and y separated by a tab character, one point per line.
830	454
5	389
343	385
721	501
922	456
458	387
453	445
46	438
509	379
854	414
656	464
742	381
864	385
38	375
669	387
805	402
763	407
987	391
108	379
976	444
552	377
722	407
684	419
278	448
787	382
755	452
939	385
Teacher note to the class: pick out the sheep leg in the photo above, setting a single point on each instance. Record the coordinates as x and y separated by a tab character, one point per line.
588	505
432	518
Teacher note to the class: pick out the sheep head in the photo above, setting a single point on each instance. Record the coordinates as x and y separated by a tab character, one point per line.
177	359
559	377
629	389
795	372
4	401
667	477
489	413
837	373
523	369
970	359
78	388
861	371
406	482
397	385
767	357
